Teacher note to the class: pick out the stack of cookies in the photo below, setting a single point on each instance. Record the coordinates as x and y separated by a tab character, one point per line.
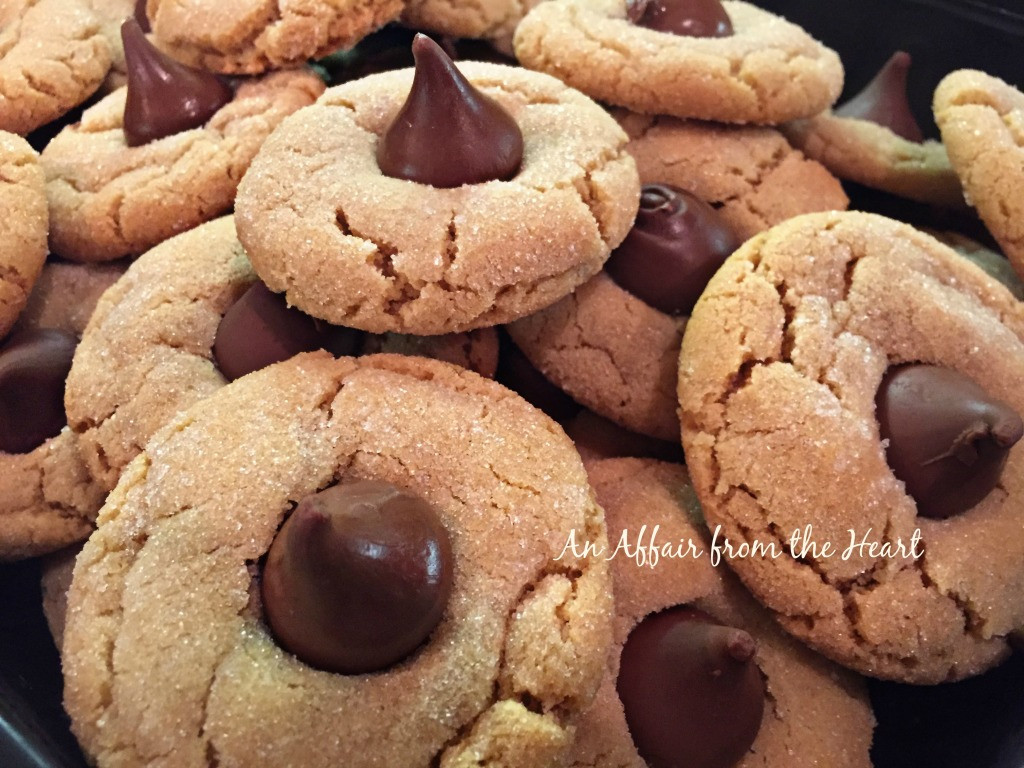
372	406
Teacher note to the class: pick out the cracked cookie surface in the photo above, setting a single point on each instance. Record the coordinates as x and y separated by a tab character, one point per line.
815	713
254	36
769	71
357	248
616	354
872	155
750	175
778	374
108	200
495	20
24	226
173	567
982	123
53	55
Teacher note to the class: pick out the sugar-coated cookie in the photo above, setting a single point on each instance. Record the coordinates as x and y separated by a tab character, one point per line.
24	226
175	563
982	123
874	140
767	71
356	247
813	713
249	37
109	200
66	294
992	262
53	55
491	19
783	360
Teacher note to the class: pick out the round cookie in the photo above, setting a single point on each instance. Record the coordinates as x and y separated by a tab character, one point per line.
108	200
111	13
249	37
815	714
769	71
23	230
778	376
982	123
66	294
751	175
355	247
148	351
617	354
53	55
173	565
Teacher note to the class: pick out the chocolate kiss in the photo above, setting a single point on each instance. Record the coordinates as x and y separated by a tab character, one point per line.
692	694
358	577
164	97
692	18
884	100
33	367
141	17
448	133
947	439
676	245
261	329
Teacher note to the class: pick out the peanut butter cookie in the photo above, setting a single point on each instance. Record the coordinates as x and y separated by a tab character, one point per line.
519	648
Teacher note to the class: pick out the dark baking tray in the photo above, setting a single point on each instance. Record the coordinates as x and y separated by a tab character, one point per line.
978	723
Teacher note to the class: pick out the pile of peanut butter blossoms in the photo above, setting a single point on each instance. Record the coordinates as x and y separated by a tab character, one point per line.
346	381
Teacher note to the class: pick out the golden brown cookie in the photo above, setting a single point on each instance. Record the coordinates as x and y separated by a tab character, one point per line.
778	377
66	294
108	200
611	352
769	71
110	14
872	155
53	55
517	654
750	174
355	247
617	354
23	230
815	713
982	123
148	352
250	37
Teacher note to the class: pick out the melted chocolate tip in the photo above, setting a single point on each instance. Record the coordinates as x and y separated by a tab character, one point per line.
741	646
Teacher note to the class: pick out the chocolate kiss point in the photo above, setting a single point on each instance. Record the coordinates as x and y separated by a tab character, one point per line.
448	133
690	18
358	577
676	245
164	97
141	17
884	100
33	367
692	694
948	440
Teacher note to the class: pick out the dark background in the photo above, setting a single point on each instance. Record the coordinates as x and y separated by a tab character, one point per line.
978	723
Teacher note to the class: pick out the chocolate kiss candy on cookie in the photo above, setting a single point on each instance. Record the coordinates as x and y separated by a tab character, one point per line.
141	17
260	329
692	694
947	439
676	245
692	18
448	133
164	97
884	100
357	577
33	367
